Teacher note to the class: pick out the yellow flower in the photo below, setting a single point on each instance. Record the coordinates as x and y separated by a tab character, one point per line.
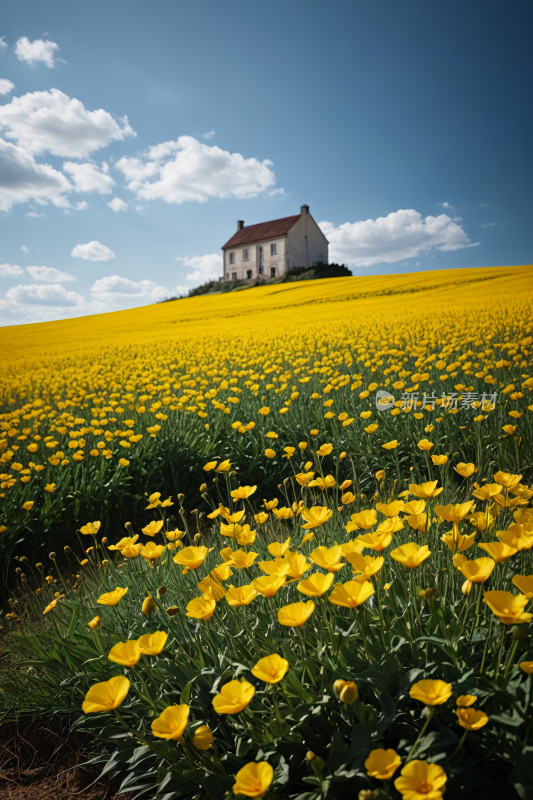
382	764
417	522
245	536
346	691
466	700
261	518
454	513
459	542
172	722
151	551
423	444
122	461
254	779
517	536
524	584
148	606
431	692
426	491
269	585
233	697
271	669
50	487
507	480
439	460
420	781
269	453
240	595
272	435
28	505
297	565
91	528
465	470
328	558
324	449
315	516
278	549
106	696
390	509
201	607
508	607
127	541
191	557
414	507
364	566
376	541
475	571
209	466
152	644
50	606
112	598
283	512
527	667
487	491
303	478
125	653
211	583
316	584
351	594
203	738
243	492
224	466
307	538
479	520
411	555
324	483
295	614
243	560
391	445
154	500
380	474
132	551
362	521
93	623
264	411
470	719
153	527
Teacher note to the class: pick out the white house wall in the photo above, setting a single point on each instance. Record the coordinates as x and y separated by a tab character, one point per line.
300	255
241	267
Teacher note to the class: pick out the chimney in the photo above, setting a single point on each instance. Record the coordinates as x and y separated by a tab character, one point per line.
240	224
304	210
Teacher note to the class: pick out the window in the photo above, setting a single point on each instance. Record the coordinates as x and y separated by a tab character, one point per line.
248	273
245	255
273	271
232	258
273	250
233	276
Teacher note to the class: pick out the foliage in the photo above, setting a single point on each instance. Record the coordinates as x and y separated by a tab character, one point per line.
424	622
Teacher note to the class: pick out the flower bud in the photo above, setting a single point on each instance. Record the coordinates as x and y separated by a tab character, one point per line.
430	593
23	558
180	497
466	588
519	632
315	762
23	576
203	487
66	548
233	474
346	691
52	556
18	570
197	538
195	512
365	794
104	540
38	565
161	591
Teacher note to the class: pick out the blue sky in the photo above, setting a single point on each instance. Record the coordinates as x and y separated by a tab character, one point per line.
133	135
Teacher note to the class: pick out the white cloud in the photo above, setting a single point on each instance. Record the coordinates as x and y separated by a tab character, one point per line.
6	86
92	251
116	205
51	295
88	177
22	179
186	169
34	214
2	43
205	268
180	291
38	50
81	206
51	121
49	275
445	205
400	235
114	286
10	270
24	249
208	135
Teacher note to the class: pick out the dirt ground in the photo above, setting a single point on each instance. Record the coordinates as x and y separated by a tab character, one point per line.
39	760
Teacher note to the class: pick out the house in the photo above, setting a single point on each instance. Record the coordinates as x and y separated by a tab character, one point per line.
271	249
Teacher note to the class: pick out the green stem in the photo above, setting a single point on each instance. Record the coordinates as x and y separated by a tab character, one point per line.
511	658
486	648
461	742
422	732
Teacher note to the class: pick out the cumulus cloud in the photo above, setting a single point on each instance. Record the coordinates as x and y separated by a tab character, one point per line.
38	50
116	205
92	251
204	268
24	249
82	205
6	86
2	43
52	121
49	275
88	178
186	169
400	235
114	286
51	295
10	270
22	179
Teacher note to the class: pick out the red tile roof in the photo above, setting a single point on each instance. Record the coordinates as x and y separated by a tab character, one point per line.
264	230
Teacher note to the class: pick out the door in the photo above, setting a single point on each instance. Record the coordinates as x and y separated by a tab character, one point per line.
260	260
